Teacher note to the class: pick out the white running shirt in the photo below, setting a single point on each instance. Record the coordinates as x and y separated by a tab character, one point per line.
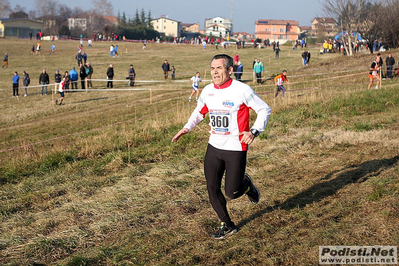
228	107
196	80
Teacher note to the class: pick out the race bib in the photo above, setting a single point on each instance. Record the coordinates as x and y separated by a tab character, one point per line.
220	122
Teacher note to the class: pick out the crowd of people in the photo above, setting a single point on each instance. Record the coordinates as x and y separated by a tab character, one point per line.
85	69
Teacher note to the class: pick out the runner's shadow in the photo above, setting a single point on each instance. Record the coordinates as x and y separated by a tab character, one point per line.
317	192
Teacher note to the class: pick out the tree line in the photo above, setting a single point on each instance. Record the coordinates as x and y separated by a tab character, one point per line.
138	27
372	20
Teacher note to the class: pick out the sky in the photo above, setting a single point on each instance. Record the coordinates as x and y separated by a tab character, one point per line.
245	12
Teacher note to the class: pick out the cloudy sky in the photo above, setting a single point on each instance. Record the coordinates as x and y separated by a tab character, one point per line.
187	11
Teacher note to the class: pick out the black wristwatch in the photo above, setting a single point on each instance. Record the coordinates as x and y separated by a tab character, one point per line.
255	132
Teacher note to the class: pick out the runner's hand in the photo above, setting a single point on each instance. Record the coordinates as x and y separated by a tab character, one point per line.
247	137
182	132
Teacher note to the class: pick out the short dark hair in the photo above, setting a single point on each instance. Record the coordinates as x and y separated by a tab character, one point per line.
228	60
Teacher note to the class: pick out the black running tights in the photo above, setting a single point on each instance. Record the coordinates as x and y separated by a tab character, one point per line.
217	162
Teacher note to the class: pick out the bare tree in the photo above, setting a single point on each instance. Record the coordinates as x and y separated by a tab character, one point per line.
5	8
18	8
103	7
369	28
388	22
45	8
349	15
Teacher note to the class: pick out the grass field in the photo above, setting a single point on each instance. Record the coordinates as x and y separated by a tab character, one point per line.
97	181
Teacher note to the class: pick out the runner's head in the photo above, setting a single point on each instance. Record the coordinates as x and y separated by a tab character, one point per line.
221	68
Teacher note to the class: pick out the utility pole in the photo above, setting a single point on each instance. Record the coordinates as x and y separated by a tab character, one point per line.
232	15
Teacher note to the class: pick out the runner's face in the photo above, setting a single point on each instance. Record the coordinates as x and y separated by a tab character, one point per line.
220	74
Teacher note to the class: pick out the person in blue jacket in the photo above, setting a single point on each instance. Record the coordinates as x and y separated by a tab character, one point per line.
15	84
73	74
240	69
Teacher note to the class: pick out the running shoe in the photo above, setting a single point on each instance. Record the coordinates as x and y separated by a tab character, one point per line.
253	193
225	231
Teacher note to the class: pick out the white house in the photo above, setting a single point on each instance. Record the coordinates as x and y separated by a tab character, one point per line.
80	23
218	27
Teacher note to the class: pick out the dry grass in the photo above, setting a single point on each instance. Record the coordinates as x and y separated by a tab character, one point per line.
115	191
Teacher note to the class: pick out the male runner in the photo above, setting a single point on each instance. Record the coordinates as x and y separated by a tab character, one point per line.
228	102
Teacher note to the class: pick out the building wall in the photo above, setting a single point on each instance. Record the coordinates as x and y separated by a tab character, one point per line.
19	28
330	29
276	32
193	28
170	28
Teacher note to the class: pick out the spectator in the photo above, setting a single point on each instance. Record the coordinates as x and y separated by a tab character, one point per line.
390	61
82	74
110	76
132	75
57	76
73	75
79	58
305	58
239	72
67	80
236	58
5	60
84	56
26	82
258	69
116	51
166	68
44	80
15	84
277	52
89	73
173	69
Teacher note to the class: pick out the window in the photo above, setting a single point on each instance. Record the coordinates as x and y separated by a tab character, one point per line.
274	29
282	30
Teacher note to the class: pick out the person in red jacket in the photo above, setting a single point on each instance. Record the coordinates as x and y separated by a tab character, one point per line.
280	80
